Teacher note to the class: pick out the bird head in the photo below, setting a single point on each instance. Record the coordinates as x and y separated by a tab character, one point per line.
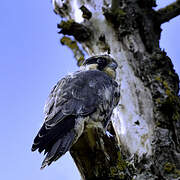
103	63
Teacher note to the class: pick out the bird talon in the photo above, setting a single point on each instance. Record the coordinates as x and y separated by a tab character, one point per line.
109	134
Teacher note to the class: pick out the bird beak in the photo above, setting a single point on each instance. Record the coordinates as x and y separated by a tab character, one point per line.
113	65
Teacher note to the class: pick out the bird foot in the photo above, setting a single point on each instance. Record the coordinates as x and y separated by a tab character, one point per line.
109	134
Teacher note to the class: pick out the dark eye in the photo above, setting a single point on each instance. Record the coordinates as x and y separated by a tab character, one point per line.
101	63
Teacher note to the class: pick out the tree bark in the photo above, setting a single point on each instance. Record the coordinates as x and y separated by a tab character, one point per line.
146	124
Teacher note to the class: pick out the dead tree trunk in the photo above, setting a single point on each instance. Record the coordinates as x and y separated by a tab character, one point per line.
146	124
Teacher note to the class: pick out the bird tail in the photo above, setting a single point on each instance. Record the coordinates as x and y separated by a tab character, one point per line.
59	148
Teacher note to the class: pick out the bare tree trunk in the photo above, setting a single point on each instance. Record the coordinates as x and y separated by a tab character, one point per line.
146	124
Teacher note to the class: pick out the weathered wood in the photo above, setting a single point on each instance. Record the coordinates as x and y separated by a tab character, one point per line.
147	120
98	156
169	12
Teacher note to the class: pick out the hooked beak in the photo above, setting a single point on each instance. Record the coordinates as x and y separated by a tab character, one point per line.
113	65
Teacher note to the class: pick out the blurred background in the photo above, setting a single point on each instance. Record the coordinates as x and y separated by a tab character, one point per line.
31	62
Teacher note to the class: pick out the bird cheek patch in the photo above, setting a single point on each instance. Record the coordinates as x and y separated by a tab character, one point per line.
92	67
110	72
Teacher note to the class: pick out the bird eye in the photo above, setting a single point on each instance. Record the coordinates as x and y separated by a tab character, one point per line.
101	61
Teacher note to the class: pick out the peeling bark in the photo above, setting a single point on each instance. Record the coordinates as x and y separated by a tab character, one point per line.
146	141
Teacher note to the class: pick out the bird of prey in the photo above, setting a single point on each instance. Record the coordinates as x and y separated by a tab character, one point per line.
85	97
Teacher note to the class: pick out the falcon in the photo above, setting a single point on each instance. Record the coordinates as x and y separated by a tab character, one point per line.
86	97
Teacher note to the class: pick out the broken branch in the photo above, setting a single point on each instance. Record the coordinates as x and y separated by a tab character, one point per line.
80	32
169	12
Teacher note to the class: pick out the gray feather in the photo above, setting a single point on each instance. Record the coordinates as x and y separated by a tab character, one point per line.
61	146
85	93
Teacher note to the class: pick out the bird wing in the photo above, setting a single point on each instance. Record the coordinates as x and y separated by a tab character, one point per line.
73	96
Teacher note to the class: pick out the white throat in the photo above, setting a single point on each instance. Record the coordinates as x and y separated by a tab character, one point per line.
89	67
